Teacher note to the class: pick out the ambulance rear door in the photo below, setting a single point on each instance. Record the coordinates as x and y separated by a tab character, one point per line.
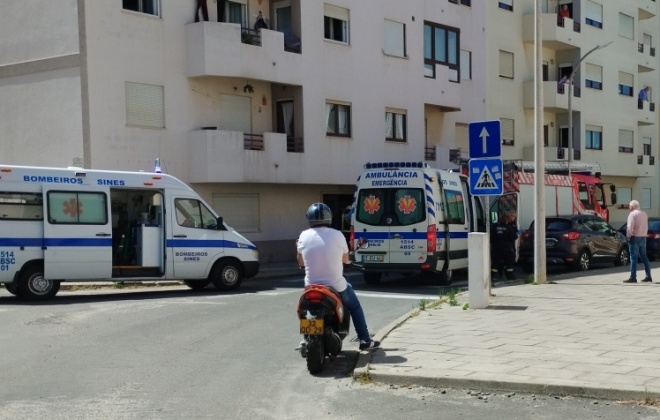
391	215
453	233
77	232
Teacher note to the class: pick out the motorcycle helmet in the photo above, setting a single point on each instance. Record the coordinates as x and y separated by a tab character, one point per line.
319	214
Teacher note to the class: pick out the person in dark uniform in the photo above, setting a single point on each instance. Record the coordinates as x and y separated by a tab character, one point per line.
503	237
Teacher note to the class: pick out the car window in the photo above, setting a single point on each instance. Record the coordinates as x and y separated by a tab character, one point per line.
558	225
598	226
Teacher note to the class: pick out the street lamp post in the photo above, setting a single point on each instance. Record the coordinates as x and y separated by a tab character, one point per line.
570	103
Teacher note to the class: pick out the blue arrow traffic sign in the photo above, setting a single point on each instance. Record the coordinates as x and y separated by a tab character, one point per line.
486	176
485	139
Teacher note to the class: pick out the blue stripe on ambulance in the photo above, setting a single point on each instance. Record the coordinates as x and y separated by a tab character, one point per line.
22	242
430	204
205	243
64	242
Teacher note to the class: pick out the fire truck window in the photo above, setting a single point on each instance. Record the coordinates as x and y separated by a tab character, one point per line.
583	191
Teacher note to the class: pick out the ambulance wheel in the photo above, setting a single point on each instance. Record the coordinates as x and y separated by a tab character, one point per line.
227	275
12	288
444	277
372	278
33	286
197	284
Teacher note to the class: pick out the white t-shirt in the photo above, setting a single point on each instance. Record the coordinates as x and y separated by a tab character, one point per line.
322	249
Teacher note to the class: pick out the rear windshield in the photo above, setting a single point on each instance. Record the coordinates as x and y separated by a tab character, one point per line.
555	225
391	206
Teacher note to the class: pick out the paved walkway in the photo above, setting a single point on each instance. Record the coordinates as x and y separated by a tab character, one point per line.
582	335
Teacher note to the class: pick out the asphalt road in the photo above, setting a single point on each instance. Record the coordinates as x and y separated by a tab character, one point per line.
172	353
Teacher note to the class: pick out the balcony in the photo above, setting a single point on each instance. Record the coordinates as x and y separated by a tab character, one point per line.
226	49
550	153
555	96
232	156
646	165
558	34
440	92
646	9
647	61
646	113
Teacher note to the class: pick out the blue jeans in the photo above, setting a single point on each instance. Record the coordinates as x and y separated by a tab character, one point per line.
351	302
637	247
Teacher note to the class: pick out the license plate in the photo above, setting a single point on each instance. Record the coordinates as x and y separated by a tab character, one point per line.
372	258
549	243
311	326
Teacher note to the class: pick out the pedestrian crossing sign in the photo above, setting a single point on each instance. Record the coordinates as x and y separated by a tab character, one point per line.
486	176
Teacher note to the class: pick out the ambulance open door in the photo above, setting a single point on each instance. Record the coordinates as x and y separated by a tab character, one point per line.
77	233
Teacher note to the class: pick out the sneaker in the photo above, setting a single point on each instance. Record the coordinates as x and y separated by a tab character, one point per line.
370	345
630	281
647	280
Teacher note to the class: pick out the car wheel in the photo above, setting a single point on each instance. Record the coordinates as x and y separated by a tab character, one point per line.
622	257
444	278
227	275
583	262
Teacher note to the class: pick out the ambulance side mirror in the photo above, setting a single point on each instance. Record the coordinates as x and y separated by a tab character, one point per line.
220	224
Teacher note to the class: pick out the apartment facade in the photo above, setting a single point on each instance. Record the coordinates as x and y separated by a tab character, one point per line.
616	41
263	107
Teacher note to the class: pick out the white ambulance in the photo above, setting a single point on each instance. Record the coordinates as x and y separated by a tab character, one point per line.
59	224
411	218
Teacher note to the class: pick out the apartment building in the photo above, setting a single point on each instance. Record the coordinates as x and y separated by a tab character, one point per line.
263	107
616	41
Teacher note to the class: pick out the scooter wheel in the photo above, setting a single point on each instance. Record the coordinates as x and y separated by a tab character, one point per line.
315	356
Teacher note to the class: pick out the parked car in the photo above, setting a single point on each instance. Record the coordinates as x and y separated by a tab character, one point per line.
652	239
576	240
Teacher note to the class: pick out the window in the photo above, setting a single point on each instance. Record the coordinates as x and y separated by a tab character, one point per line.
145	105
150	7
463	2
395	38
21	206
594	76
506	5
240	211
395	126
441	46
335	23
593	138
193	213
594	14
338	120
646	146
405	204
625	196
72	208
626	138
626	26
625	84
645	202
466	65
236	12
508	138
455	207
506	64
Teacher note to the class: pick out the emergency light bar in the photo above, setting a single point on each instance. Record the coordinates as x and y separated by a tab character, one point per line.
395	165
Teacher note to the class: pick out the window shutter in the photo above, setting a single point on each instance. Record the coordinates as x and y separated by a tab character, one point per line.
506	64
335	12
625	79
594	11
626	26
593	128
240	211
466	65
594	72
235	113
507	128
625	138
394	38
145	105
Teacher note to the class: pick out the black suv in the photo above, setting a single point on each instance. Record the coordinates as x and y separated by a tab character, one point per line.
576	240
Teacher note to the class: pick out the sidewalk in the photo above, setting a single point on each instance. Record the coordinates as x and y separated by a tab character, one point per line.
581	334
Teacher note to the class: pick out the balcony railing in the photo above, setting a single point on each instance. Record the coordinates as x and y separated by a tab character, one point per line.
253	141
640	105
576	25
295	145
